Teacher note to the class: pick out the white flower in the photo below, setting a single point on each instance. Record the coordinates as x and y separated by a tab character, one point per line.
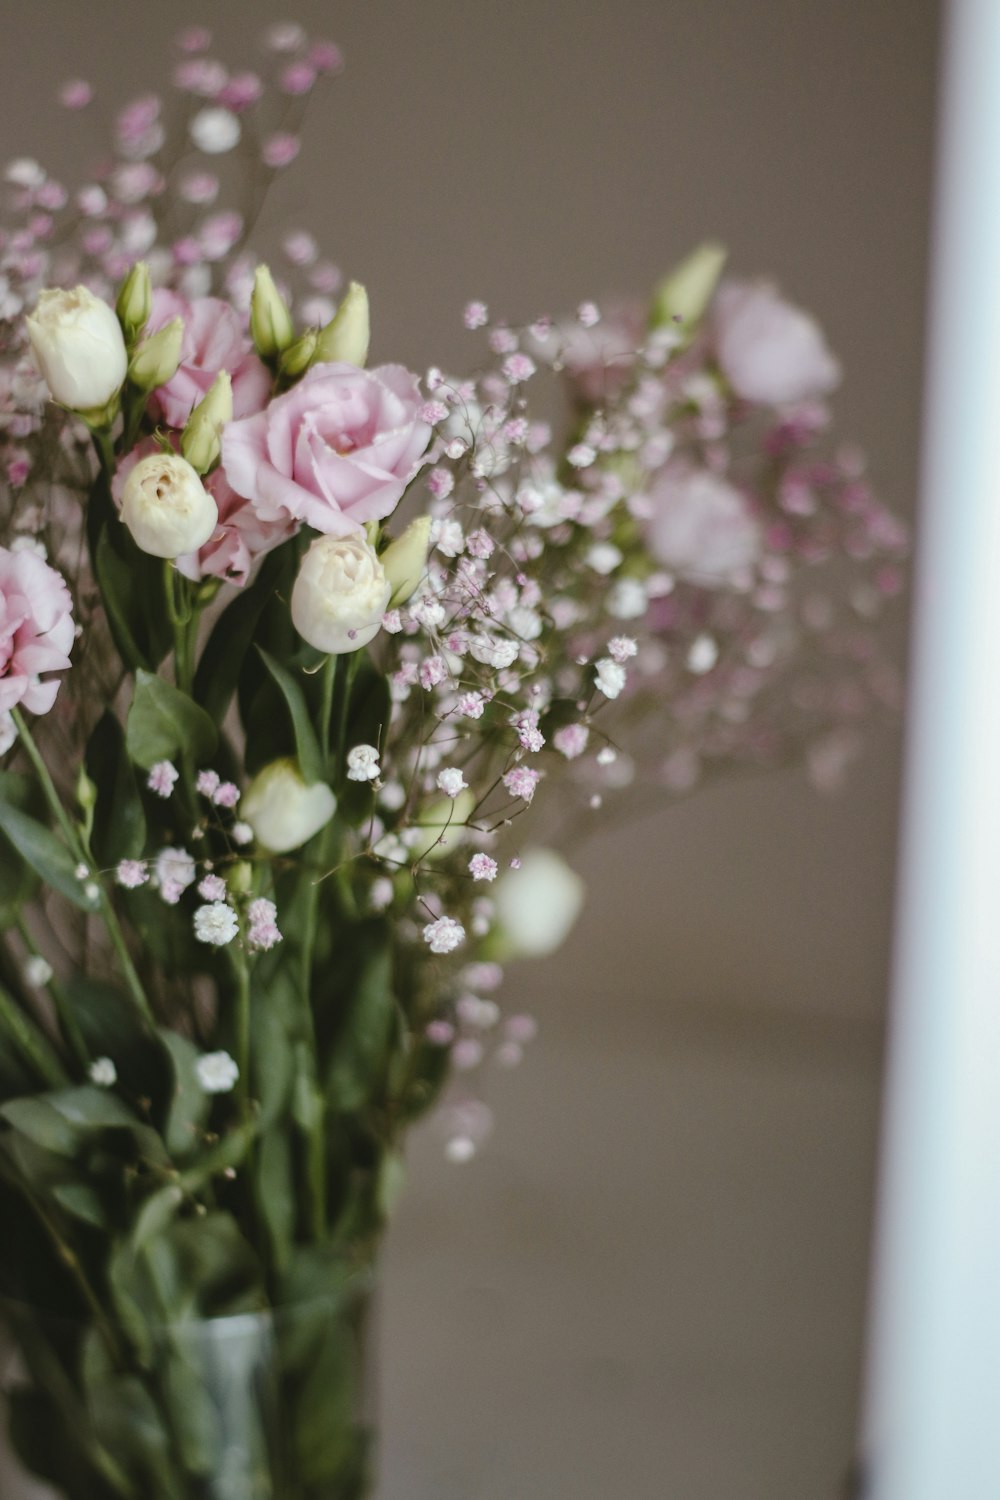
628	599
78	344
362	763
340	594
769	350
166	507
493	652
241	833
282	810
451	781
609	677
216	923
444	935
174	870
703	655
103	1072
604	557
215	131
216	1072
37	971
537	904
702	527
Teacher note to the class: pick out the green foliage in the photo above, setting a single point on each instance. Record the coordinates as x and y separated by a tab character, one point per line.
165	724
234	633
119	823
307	749
35	845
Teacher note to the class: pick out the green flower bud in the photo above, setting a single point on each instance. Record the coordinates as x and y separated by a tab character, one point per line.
298	356
156	359
135	299
345	338
270	320
405	560
682	297
201	438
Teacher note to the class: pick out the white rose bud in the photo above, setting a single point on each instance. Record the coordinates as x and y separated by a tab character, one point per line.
282	810
537	905
345	338
166	507
340	594
79	346
405	559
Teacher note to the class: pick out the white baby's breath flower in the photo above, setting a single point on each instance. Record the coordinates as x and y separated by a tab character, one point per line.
703	655
444	935
216	923
215	131
451	781
362	763
216	1072
103	1072
37	971
609	677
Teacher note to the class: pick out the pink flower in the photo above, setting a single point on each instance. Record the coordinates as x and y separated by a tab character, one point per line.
36	630
336	451
702	527
769	350
214	340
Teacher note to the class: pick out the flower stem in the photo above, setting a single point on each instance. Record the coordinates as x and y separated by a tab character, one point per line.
81	853
34	1044
64	1010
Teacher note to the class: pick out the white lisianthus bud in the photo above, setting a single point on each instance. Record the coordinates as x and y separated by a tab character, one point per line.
135	300
340	594
685	292
166	507
537	905
79	346
270	321
201	439
405	559
282	810
345	338
298	356
156	359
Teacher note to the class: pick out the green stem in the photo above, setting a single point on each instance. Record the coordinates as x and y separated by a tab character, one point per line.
80	852
64	1010
34	1044
241	971
183	622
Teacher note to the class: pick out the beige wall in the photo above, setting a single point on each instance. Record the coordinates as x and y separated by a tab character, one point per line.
652	1284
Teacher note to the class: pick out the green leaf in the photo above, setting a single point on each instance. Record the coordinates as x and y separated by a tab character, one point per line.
41	1123
40	848
306	744
275	1185
189	1105
113	1027
233	635
164	723
91	1108
18	881
81	1200
360	1054
119	821
155	1214
117	584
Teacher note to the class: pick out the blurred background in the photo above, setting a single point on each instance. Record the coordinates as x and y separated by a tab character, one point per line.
652	1281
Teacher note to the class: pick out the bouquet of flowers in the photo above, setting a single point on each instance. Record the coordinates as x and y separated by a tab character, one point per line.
292	647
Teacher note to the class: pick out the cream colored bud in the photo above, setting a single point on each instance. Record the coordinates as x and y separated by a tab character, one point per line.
340	594
682	297
156	359
405	560
298	356
135	300
202	437
270	321
345	338
536	905
166	507
78	344
283	811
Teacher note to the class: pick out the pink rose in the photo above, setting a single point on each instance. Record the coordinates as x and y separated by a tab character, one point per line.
768	350
336	451
240	538
36	630
702	527
214	340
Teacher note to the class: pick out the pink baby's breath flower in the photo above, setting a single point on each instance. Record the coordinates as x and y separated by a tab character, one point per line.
433	671
480	544
471	705
263	933
482	867
207	782
444	935
440	1033
518	368
131	873
162	778
212	888
621	647
326	57
298	78
76	94
521	782
280	150
193	39
226	794
440	482
476	314
241	91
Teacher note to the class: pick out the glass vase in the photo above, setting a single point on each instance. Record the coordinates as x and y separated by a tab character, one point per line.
267	1404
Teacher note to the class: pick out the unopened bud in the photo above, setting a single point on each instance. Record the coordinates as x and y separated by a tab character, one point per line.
345	338
270	320
405	560
201	438
298	356
135	300
682	297
156	359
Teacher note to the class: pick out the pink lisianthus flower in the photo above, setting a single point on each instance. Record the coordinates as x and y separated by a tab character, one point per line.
36	630
336	451
702	527
214	340
770	351
240	537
